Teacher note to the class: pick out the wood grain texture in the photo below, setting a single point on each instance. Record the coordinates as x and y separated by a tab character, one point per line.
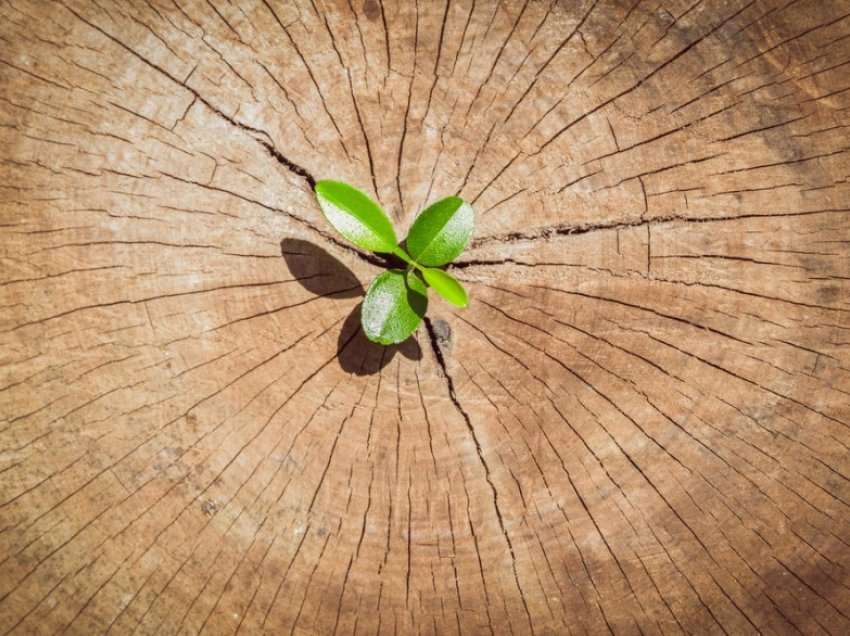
641	424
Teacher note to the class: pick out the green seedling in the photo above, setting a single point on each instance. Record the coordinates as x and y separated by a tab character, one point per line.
397	300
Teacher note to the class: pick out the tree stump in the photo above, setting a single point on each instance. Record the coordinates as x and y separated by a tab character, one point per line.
639	425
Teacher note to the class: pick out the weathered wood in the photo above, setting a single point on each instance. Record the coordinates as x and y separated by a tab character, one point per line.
640	425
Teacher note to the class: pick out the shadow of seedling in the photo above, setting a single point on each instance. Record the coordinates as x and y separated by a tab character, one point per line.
359	355
322	274
318	271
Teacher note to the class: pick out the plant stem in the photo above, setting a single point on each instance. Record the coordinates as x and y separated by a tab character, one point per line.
404	256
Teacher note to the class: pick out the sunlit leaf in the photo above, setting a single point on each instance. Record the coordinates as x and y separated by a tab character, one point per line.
440	233
394	305
356	216
446	285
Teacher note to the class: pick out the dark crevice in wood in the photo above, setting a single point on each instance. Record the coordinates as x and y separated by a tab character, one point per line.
551	231
450	386
290	165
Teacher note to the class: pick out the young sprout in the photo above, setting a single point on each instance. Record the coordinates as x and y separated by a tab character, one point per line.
397	300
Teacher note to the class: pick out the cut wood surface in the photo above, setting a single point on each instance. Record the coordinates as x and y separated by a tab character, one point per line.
640	425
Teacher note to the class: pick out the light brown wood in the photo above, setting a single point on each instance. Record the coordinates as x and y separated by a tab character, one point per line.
640	425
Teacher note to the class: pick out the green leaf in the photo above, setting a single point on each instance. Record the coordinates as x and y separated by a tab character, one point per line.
393	307
447	286
356	216
440	233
